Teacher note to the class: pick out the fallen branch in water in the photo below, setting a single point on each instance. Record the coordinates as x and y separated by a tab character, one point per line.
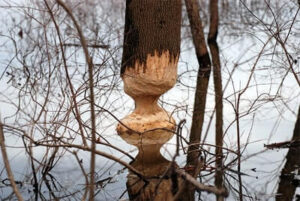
283	145
200	186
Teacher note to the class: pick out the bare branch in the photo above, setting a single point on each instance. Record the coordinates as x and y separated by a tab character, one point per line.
7	165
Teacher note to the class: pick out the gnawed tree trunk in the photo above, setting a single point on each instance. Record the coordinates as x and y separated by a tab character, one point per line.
149	69
288	183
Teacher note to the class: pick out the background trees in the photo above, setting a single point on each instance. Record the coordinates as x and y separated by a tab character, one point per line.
45	102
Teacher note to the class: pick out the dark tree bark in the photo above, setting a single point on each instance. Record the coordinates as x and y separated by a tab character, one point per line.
202	81
193	163
150	27
288	184
214	51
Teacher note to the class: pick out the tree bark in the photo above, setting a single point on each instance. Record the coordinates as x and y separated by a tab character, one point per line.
214	50
288	184
193	163
151	27
202	81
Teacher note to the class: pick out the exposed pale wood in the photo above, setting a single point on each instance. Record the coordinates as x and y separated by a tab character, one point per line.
149	69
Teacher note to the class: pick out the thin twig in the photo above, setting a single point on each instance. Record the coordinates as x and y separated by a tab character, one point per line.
92	101
88	45
7	165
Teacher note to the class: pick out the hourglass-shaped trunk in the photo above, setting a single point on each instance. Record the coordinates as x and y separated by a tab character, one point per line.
149	69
